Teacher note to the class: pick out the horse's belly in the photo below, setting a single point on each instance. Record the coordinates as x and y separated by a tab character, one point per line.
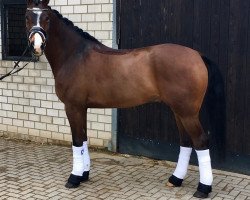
122	97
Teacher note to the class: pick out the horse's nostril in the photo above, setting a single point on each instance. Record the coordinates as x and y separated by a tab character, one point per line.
42	47
37	50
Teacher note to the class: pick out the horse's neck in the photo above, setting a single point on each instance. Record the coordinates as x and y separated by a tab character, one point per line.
62	43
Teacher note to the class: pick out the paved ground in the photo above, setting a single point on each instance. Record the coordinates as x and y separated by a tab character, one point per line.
35	171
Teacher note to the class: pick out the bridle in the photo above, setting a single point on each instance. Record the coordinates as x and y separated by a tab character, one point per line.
37	29
31	32
40	31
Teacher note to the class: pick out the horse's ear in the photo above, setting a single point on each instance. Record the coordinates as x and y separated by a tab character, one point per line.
29	2
45	2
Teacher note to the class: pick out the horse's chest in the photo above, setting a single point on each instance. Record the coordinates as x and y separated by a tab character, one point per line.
60	90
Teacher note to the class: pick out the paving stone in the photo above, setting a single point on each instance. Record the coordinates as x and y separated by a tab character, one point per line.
34	171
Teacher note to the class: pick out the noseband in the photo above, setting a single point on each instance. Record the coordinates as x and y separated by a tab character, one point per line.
37	29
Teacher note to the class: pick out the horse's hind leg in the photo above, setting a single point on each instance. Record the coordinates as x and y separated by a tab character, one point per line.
81	161
184	156
193	127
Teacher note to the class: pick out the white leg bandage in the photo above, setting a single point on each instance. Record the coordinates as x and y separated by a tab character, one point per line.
183	162
206	176
81	159
86	157
77	161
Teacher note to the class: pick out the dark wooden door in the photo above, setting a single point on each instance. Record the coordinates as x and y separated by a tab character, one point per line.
218	28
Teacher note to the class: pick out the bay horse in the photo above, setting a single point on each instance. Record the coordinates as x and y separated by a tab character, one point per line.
90	75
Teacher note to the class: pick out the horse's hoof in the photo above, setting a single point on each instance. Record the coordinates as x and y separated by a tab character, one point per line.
173	181
71	185
168	184
203	191
200	195
85	176
74	181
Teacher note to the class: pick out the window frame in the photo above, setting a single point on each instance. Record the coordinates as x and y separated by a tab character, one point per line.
4	33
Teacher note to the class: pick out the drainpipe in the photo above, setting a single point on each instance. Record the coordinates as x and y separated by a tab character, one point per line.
113	143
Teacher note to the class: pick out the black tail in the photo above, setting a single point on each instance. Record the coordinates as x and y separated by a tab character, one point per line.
216	108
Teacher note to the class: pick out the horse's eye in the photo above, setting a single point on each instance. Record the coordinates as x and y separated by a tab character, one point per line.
47	19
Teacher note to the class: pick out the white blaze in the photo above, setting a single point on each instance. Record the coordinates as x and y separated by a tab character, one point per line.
38	12
37	42
37	38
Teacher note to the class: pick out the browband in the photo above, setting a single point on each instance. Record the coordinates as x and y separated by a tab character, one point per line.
37	9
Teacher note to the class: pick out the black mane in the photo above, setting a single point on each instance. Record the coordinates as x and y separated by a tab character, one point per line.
69	23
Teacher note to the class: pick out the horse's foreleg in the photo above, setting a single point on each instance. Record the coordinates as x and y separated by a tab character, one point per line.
200	142
77	116
184	156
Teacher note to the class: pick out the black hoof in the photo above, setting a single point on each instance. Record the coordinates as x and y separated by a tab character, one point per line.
71	185
175	181
203	191
200	195
74	181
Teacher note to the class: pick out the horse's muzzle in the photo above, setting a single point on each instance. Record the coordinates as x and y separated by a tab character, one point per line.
31	40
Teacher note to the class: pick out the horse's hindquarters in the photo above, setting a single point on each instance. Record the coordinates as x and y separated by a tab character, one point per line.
181	77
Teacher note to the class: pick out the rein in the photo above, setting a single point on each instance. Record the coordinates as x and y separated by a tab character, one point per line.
16	67
33	30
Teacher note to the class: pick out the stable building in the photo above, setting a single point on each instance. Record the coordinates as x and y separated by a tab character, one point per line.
219	29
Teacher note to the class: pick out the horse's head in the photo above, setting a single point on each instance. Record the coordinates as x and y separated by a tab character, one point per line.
37	24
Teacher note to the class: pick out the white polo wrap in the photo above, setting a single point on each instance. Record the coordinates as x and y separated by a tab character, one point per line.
81	159
86	157
183	162
206	175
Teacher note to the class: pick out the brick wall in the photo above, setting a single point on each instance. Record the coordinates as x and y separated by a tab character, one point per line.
30	109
